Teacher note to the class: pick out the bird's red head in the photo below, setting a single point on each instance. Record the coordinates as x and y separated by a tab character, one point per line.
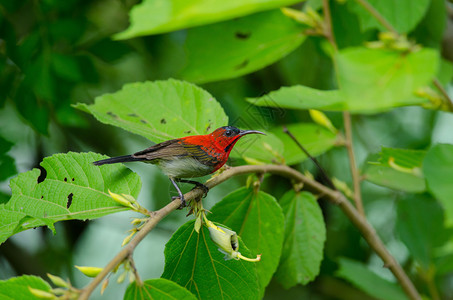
224	138
219	143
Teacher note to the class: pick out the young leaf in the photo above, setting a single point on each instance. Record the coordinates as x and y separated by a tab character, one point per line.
438	171
152	17
70	187
377	79
418	217
398	169
193	261
302	97
258	220
18	287
305	234
247	44
315	138
409	14
159	110
368	281
157	289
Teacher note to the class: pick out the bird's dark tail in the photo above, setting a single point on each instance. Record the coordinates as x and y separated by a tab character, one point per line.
114	160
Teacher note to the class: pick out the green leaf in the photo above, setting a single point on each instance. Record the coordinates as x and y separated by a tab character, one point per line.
302	97
159	110
366	280
152	16
315	138
17	287
258	220
403	15
255	149
438	171
193	261
70	188
157	289
373	80
398	169
247	44
418	217
305	234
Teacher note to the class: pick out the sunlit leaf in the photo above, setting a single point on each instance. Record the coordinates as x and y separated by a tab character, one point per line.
154	16
377	79
438	171
157	289
258	220
247	44
159	110
18	287
368	281
193	261
409	13
71	187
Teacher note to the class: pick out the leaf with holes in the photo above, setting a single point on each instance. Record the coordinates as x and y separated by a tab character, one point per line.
159	110
398	169
152	17
258	220
247	44
193	261
18	287
68	187
157	289
305	234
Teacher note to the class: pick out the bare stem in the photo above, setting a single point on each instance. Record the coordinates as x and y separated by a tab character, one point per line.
352	164
328	32
444	93
333	196
377	15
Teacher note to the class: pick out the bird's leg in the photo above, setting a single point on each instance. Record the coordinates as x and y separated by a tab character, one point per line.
197	185
181	196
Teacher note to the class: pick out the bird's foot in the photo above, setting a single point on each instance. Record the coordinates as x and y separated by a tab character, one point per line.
203	187
183	201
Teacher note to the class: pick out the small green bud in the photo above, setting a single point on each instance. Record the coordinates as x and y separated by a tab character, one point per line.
58	281
90	271
105	283
41	294
121	200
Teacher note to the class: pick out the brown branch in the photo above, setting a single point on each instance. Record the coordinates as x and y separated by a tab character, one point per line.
352	164
333	196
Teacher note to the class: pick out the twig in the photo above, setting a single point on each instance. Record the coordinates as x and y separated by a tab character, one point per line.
314	160
336	197
367	6
352	165
328	32
444	93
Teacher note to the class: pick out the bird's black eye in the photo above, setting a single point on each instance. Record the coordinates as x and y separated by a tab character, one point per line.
228	133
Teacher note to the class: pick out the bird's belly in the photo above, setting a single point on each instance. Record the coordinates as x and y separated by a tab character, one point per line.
184	167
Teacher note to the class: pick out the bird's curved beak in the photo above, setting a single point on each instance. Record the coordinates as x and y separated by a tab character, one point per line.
244	132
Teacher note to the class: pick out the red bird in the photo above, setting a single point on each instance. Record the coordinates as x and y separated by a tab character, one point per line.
187	157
